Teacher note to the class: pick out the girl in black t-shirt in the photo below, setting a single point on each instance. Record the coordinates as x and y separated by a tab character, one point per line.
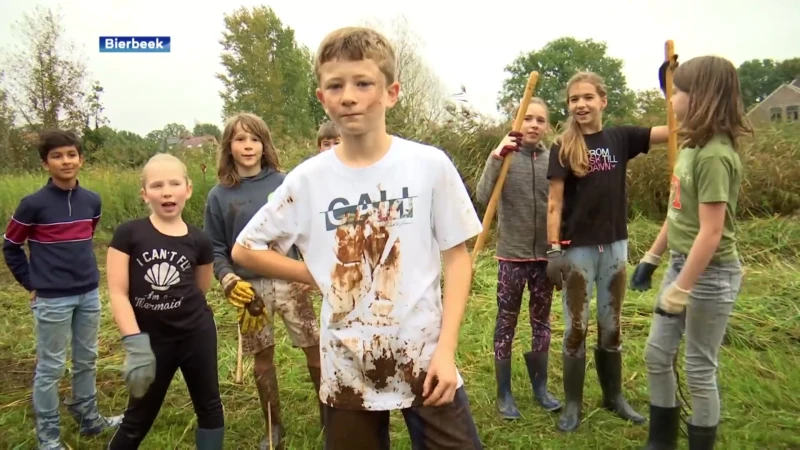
588	238
159	269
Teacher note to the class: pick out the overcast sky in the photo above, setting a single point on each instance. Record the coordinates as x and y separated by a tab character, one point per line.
466	43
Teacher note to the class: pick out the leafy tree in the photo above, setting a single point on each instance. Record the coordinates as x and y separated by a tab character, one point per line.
556	63
207	129
175	130
760	77
46	80
94	121
267	71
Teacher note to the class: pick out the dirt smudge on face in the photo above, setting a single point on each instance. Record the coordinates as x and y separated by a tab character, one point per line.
576	299
617	288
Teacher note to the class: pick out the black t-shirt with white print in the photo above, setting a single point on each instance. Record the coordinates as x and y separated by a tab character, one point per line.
595	207
166	300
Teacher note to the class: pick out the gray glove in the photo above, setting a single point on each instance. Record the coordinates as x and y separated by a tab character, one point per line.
140	364
557	268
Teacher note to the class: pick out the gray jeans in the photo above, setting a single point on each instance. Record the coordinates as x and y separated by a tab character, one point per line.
704	322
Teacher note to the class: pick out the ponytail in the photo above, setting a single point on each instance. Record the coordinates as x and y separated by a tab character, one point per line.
573	152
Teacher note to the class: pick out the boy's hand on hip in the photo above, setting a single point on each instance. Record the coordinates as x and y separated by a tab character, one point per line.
140	364
442	379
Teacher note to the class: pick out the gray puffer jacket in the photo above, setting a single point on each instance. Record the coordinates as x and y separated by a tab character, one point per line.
522	209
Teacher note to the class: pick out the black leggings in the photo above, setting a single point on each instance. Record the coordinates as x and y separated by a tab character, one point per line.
196	356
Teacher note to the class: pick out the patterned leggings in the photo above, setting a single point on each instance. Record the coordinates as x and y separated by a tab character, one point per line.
512	277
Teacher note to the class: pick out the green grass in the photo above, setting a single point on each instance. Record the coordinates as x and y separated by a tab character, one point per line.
757	371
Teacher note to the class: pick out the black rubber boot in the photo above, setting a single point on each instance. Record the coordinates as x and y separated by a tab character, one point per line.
609	372
702	438
664	424
206	439
574	373
537	371
315	374
505	401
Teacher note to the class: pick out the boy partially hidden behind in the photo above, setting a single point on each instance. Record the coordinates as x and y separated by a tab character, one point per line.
327	136
58	222
373	219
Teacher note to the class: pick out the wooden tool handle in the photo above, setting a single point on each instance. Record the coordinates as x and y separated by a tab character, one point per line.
672	143
491	207
239	378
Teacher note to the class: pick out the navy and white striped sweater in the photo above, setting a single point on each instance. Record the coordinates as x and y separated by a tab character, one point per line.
58	225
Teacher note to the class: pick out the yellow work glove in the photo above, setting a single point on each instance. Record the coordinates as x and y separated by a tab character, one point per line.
674	299
253	317
238	292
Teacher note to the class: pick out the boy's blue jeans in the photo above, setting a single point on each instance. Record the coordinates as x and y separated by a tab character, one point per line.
60	322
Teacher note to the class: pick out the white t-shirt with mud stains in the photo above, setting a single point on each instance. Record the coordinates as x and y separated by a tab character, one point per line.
372	238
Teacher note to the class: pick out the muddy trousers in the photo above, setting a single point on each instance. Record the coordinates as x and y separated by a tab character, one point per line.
512	277
704	322
431	428
196	357
605	267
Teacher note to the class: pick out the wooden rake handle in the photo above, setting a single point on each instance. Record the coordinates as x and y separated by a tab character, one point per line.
672	142
501	178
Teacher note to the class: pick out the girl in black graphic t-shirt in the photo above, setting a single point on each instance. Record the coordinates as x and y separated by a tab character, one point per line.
159	270
588	236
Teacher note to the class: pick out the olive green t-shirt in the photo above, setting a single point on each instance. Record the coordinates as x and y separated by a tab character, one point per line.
711	174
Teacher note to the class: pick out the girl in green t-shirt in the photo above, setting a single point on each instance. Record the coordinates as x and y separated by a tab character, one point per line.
704	276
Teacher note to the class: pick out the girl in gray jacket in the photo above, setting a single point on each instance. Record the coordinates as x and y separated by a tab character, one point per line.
522	254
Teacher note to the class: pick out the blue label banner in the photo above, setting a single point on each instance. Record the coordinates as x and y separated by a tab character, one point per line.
135	44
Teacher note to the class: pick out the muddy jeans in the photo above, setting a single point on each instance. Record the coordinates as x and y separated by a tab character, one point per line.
431	428
512	277
704	322
603	265
60	322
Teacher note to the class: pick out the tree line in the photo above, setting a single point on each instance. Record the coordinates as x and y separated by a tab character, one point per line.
44	83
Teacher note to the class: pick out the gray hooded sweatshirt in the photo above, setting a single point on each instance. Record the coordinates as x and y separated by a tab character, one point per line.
228	209
522	209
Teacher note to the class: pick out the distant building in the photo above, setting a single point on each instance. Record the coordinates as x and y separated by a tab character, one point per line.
783	104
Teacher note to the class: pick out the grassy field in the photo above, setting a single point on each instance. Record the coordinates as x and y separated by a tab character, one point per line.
757	374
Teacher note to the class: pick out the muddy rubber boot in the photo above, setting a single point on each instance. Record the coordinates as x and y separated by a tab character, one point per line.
207	439
267	386
664	423
537	372
702	438
574	374
505	401
316	374
609	373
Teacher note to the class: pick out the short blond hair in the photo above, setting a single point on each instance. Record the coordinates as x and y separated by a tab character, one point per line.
358	44
162	158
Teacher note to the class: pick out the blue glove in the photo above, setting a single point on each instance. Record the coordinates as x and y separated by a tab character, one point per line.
662	73
643	275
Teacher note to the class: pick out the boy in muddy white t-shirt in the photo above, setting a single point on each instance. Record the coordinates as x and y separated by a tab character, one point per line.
374	218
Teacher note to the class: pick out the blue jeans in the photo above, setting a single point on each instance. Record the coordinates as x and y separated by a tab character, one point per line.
60	322
704	322
603	266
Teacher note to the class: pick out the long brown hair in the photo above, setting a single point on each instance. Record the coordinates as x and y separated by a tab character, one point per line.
227	174
573	152
715	103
